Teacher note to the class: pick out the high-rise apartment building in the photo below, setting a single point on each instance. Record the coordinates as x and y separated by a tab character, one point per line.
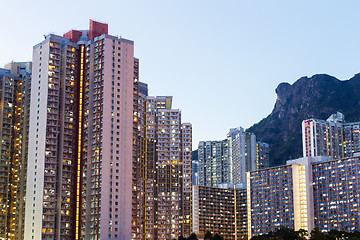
243	153
278	197
270	207
220	210
323	138
80	159
306	193
7	120
351	138
140	93
334	137
214	163
195	167
227	161
336	194
262	155
15	81
164	184
195	172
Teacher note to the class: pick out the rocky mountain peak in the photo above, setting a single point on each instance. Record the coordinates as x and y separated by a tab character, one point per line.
318	96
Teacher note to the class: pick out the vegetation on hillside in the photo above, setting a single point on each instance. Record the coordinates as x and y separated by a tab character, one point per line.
315	97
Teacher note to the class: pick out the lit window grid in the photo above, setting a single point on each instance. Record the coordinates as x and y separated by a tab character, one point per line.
271	199
217	211
337	194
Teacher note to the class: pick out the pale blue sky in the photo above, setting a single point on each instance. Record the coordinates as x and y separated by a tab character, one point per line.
221	60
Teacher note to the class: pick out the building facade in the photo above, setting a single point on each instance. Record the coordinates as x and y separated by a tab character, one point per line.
243	153
334	137
138	196
271	200
164	200
262	155
323	138
15	82
195	172
351	138
337	194
306	193
213	163
80	159
228	160
104	160
220	210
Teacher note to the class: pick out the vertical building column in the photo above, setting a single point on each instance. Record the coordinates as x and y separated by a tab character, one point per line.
195	209
248	194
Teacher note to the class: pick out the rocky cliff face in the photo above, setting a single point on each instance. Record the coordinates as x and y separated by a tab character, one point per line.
315	97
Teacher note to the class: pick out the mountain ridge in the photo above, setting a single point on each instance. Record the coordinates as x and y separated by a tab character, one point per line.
318	97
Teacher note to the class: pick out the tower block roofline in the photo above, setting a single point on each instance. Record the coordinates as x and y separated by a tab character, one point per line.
82	122
93	34
96	29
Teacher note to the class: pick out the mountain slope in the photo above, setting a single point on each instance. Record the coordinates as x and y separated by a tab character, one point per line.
315	97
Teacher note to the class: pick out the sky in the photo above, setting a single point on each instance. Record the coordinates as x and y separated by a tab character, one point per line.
220	60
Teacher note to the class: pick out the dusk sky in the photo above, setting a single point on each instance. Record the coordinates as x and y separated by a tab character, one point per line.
220	60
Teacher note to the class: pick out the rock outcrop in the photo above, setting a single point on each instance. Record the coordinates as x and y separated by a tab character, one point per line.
316	97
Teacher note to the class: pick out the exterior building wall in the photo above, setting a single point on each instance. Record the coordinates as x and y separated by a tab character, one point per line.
304	217
214	164
271	199
262	155
243	154
333	137
300	197
167	172
48	207
108	133
221	211
186	183
80	174
19	143
336	194
12	132
304	194
227	161
138	154
150	169
7	85
351	134
195	172
139	194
